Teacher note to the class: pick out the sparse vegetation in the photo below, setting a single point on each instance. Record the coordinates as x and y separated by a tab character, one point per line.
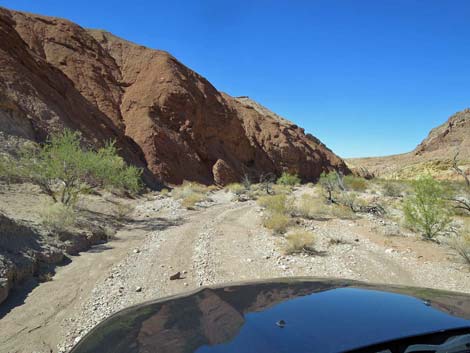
246	182
355	183
189	202
276	203
57	218
392	188
342	212
426	210
164	192
461	242
279	209
190	194
277	222
236	188
299	241
266	181
122	211
288	179
64	170
310	207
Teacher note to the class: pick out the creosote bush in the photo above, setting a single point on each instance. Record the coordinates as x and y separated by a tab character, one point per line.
288	179
299	241
426	210
64	170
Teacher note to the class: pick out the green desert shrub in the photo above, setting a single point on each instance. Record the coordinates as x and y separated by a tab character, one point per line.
65	170
277	222
57	217
426	210
330	182
299	241
288	179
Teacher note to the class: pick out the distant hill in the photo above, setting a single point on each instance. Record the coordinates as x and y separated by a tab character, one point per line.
165	117
433	155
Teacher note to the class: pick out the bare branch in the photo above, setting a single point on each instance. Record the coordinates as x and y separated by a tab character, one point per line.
456	167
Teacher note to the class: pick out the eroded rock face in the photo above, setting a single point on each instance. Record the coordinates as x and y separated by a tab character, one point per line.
449	138
165	117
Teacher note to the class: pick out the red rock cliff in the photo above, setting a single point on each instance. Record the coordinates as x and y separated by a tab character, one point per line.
165	117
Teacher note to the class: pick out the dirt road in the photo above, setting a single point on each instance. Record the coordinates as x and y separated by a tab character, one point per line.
219	243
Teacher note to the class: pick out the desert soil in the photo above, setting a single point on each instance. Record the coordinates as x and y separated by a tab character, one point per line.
222	241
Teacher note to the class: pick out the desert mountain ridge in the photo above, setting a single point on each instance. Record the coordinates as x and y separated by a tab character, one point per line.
433	155
165	117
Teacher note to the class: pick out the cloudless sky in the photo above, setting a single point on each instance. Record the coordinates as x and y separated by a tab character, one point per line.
367	77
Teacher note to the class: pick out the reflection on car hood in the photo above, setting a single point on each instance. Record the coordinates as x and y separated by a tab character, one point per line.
279	316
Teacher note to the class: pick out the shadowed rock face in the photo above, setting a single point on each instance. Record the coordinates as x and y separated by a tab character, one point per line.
164	116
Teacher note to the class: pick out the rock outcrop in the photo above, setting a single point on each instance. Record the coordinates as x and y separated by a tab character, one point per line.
165	117
434	155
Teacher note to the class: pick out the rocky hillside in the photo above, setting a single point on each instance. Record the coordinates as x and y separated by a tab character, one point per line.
164	116
433	155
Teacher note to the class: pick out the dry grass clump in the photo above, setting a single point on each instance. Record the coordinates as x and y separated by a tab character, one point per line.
189	201
165	192
191	193
276	203
277	222
279	209
342	212
311	207
300	241
355	183
122	211
57	217
282	189
394	188
236	188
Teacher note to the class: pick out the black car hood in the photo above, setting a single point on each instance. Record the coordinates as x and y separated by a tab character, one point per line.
278	316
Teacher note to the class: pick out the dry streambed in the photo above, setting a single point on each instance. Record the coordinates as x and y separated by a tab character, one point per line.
221	242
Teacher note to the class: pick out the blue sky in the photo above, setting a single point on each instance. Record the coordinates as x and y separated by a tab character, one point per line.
367	77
